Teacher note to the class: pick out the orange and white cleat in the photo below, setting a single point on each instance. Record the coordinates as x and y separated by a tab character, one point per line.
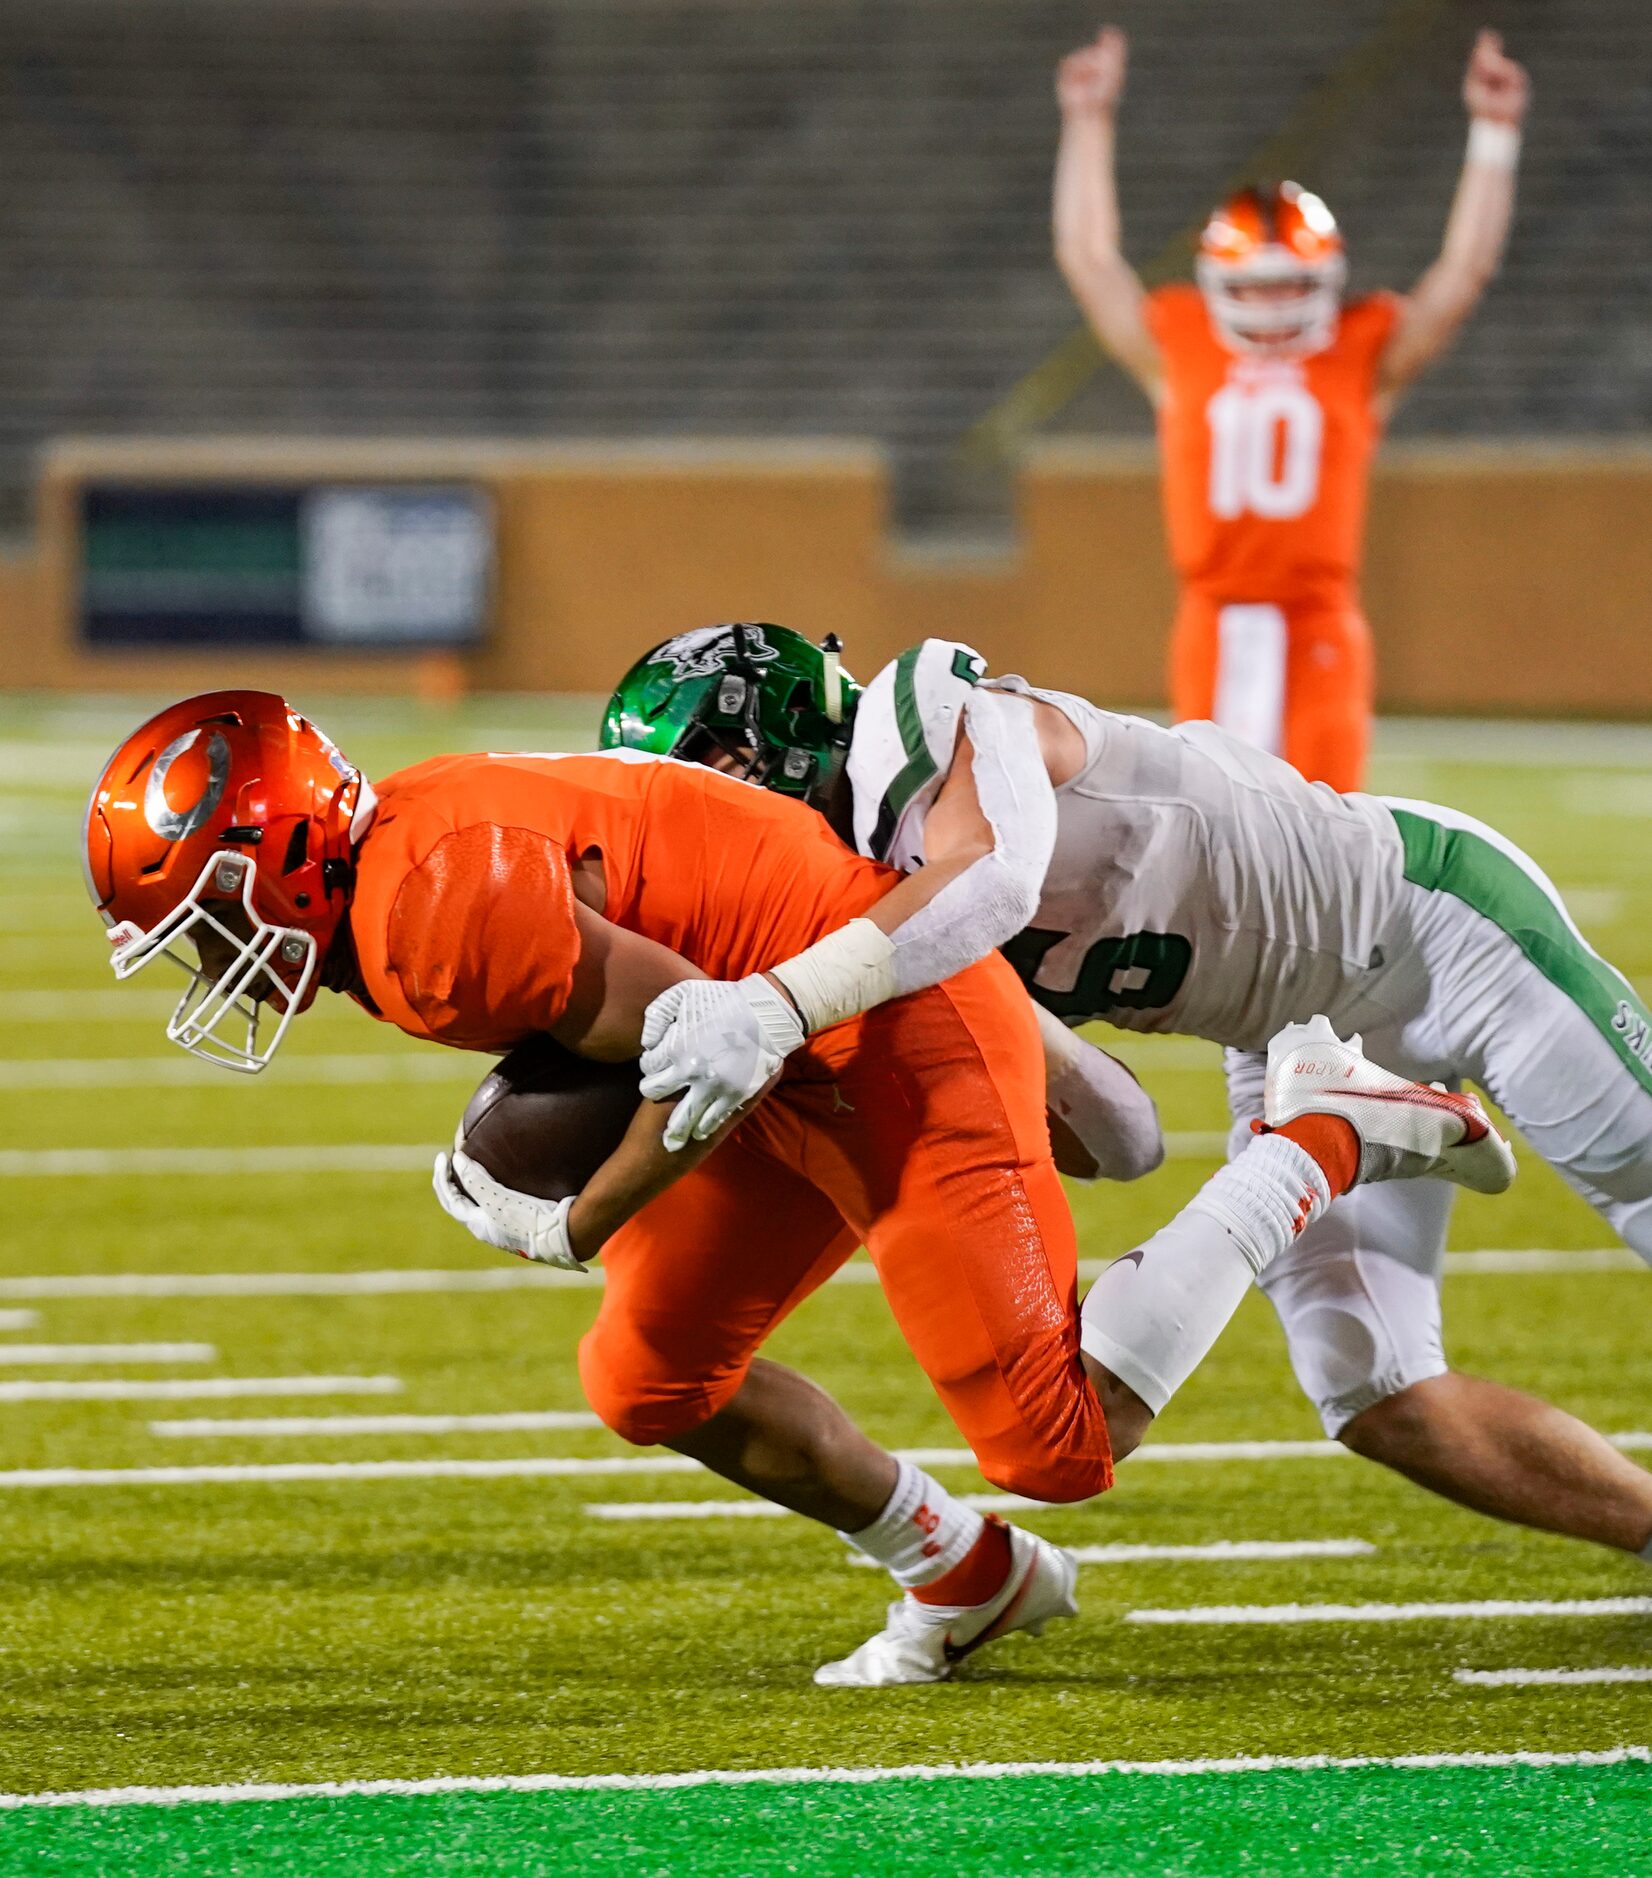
926	1642
1407	1130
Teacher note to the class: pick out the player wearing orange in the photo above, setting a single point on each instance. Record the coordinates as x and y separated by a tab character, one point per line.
687	865
481	900
1271	395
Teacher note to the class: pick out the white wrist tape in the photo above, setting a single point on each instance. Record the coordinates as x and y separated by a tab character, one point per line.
1493	143
841	975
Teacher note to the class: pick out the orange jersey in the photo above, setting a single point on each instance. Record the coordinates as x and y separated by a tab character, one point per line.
462	911
1266	461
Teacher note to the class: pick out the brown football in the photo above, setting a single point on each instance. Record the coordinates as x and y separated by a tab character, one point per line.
544	1120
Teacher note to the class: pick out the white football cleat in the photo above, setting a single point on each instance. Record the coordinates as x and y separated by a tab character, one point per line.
1406	1129
926	1642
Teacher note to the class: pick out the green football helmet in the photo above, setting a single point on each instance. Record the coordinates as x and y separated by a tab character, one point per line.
755	700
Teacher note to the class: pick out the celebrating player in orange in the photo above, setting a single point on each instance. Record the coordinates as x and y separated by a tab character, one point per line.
1271	392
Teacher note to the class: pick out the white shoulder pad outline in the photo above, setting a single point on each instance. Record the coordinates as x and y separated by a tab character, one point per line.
906	730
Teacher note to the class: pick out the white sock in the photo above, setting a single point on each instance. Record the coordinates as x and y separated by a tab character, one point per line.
921	1532
1153	1315
1265	1197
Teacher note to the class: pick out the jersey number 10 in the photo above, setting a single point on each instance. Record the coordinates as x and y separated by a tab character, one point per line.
1264	450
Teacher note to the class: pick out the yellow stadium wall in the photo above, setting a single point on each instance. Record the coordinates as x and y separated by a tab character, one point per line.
1513	579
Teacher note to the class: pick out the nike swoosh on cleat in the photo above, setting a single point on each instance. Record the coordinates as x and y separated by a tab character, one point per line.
1131	1258
956	1652
1475	1126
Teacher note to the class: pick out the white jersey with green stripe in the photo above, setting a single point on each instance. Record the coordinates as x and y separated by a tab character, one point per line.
1197	885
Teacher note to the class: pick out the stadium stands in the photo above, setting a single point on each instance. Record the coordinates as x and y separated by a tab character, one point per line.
629	217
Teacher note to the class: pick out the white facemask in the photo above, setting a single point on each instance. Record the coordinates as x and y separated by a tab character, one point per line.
1295	327
217	1018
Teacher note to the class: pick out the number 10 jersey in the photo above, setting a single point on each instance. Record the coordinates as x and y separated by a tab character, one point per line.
1266	460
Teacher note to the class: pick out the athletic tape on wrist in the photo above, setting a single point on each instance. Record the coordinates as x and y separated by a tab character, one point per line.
1494	143
841	975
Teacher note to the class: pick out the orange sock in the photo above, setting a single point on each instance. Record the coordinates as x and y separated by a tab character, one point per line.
1333	1144
978	1575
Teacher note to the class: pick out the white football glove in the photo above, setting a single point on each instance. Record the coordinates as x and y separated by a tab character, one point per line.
720	1042
500	1216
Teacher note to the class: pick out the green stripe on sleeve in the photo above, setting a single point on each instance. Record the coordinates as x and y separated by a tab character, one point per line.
1468	867
919	766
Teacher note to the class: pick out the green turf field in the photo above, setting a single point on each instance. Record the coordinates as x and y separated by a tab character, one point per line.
167	1628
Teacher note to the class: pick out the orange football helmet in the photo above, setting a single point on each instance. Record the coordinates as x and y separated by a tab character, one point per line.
226	824
1259	243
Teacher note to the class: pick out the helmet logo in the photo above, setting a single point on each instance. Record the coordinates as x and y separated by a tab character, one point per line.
178	824
700	653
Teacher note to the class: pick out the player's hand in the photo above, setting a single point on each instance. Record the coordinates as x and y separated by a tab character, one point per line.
1112	1120
1092	79
500	1216
1495	86
718	1042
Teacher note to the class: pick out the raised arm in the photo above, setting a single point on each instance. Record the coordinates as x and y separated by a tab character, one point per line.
1089	85
1495	93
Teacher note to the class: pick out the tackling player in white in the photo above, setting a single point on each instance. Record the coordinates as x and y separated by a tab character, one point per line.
1178	881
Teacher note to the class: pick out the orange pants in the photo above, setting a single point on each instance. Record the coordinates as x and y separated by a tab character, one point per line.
918	1131
1294	679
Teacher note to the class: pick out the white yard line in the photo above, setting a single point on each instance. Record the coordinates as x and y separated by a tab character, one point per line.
501	1277
811	1776
107	1353
1393	1613
1595	906
214	1162
69	1007
1546	1678
200	1389
516	1277
766	1509
279	1426
19	1320
180	1071
1224	1551
556	1467
1238	1451
1219	1552
1513	1261
175	1069
324	1158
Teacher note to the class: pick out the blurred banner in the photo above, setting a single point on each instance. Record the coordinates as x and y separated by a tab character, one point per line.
391	566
